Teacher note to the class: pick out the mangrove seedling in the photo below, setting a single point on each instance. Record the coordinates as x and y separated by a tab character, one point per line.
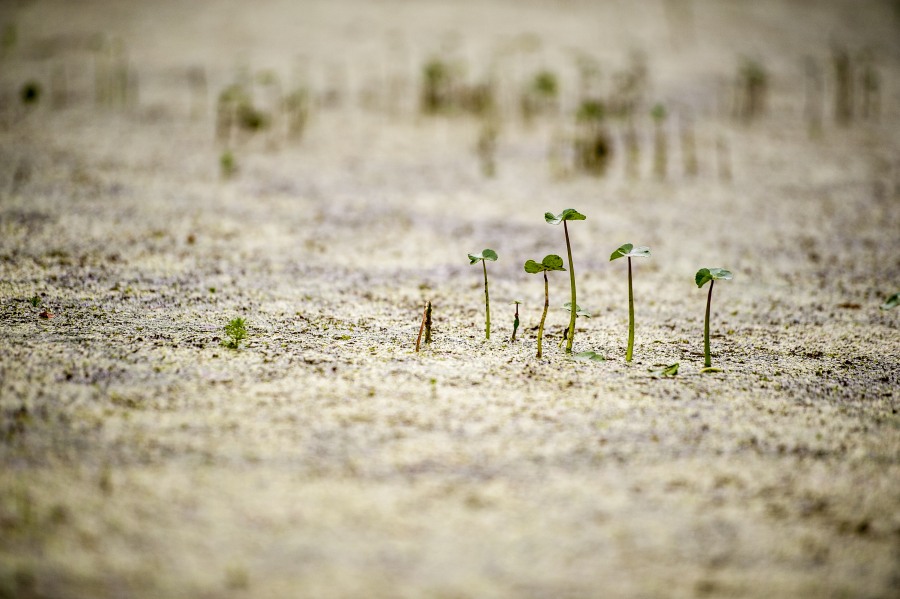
550	262
486	254
703	276
567	215
512	339
629	251
236	330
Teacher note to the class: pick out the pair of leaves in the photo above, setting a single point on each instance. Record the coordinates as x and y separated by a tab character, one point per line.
589	356
626	250
578	310
486	254
666	371
550	262
567	214
705	275
892	302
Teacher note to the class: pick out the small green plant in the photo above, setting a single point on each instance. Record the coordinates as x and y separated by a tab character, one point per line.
550	262
666	371
564	216
659	141
227	164
578	314
35	301
629	251
486	254
236	331
512	339
891	302
710	275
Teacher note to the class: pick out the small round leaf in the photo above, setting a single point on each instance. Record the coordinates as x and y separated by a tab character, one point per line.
704	275
627	250
567	214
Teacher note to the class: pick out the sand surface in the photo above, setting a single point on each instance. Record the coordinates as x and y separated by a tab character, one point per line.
139	457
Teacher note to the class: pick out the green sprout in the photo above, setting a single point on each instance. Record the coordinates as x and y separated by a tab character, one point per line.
578	313
486	254
550	262
236	330
35	301
629	251
512	339
711	275
666	370
892	302
567	215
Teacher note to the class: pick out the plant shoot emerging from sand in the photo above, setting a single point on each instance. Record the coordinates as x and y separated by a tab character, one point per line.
512	339
236	330
629	251
486	254
711	275
567	215
550	262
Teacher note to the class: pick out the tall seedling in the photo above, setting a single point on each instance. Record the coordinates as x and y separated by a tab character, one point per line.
491	255
550	262
629	251
712	275
567	215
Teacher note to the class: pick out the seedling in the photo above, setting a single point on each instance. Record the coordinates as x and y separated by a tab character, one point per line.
629	251
567	215
512	339
425	326
227	164
578	313
590	356
35	301
486	254
703	276
550	262
236	330
892	302
659	140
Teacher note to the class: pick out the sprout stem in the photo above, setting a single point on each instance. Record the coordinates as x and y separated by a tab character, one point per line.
630	350
571	329
487	303
544	315
428	323
707	362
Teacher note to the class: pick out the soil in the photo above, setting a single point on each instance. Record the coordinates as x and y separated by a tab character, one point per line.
325	457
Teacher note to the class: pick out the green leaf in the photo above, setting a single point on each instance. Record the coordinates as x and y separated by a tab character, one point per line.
589	356
667	371
486	254
627	250
578	310
550	262
710	370
567	214
704	275
892	302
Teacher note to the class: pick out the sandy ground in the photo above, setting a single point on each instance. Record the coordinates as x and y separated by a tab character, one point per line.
325	458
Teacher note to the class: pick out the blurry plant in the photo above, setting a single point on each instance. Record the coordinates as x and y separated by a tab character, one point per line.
35	301
659	141
486	254
30	92
550	262
425	326
437	86
512	339
843	90
590	356
753	84
710	275
227	164
891	302
593	145
487	146
627	250
540	95
236	331
296	108
564	216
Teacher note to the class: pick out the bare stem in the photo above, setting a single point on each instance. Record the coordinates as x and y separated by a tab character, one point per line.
571	329
544	315
629	352
428	322
487	304
708	360
421	328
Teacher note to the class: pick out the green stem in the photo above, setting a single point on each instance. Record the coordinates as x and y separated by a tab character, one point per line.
487	304
630	349
707	361
571	334
544	315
